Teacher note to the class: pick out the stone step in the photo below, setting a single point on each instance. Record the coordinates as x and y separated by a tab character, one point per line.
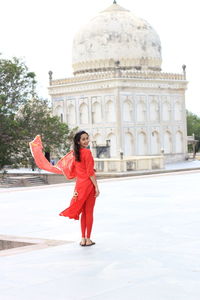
19	181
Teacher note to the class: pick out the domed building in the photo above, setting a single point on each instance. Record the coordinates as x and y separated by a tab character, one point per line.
116	37
118	92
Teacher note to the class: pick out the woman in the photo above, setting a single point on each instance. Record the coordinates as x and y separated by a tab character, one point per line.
78	163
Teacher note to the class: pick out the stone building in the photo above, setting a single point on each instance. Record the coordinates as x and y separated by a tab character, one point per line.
118	91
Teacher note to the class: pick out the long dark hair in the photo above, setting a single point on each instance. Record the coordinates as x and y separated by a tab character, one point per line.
76	145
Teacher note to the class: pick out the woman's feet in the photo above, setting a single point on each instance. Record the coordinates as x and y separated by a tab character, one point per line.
89	242
83	242
86	242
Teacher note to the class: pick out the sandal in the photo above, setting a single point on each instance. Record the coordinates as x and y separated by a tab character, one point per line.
83	243
92	243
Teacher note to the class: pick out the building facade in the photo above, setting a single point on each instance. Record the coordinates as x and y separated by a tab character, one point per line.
118	91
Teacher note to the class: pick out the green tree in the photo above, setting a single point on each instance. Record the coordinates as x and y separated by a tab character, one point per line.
17	84
193	126
21	118
9	129
35	118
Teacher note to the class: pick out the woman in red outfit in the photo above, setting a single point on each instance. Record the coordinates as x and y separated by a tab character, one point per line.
86	188
77	164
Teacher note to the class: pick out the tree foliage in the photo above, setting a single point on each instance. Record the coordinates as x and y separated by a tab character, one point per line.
35	118
193	127
23	115
17	85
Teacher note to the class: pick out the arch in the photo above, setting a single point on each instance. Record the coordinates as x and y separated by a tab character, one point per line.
61	117
177	111
110	111
179	142
155	142
113	144
59	112
98	138
166	111
83	113
142	143
154	111
71	114
167	142
96	112
141	111
129	144
127	111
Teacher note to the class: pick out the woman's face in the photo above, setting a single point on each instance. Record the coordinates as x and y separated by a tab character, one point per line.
84	140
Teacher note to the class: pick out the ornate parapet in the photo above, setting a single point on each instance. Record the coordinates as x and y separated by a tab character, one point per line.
119	74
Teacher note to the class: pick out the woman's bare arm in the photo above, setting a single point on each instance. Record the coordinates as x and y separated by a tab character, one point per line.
94	181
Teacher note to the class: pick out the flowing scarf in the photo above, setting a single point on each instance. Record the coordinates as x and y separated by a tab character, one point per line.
65	166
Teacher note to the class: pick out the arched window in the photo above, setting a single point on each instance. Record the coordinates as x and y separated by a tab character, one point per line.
59	112
179	142
142	143
155	143
127	111
177	111
71	114
141	111
96	112
98	139
166	111
154	111
167	142
110	111
83	113
113	144
129	146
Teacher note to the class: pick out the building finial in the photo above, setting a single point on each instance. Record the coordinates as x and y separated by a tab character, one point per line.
50	77
114	2
184	71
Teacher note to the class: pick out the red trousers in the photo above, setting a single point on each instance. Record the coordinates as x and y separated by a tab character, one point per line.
84	205
87	215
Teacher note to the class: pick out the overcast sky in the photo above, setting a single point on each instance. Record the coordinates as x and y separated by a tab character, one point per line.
41	32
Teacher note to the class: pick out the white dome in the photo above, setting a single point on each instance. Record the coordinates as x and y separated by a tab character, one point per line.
116	38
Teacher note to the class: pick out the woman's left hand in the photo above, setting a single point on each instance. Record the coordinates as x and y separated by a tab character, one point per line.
97	192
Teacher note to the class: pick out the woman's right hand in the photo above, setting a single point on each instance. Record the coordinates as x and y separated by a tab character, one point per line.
97	192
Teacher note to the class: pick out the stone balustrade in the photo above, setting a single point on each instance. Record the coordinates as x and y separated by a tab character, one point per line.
120	74
132	163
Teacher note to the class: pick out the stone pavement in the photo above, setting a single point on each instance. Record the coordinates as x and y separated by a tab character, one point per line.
146	231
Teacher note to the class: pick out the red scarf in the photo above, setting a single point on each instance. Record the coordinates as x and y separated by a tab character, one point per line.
65	166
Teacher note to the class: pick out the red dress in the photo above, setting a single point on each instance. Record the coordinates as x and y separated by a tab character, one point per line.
84	186
67	166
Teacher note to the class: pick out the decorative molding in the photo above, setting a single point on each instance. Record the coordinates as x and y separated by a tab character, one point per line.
119	75
112	84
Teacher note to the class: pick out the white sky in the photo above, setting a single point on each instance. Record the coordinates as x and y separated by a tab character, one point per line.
41	32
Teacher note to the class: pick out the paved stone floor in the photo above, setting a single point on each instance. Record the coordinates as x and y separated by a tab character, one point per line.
147	234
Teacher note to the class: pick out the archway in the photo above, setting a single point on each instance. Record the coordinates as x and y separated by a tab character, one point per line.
167	142
127	111
142	143
83	113
179	142
96	112
71	114
141	111
155	143
113	144
128	144
166	111
110	111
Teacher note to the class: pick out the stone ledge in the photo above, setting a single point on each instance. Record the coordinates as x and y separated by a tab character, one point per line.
36	244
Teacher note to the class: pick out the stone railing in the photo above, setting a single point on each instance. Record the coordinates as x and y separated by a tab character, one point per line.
119	74
132	163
